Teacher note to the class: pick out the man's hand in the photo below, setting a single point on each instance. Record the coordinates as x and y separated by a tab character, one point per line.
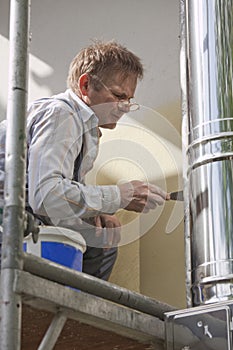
140	196
110	227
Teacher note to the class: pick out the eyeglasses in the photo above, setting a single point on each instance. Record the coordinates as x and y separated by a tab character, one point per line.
123	105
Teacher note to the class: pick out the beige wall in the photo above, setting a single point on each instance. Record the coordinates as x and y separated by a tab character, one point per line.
146	145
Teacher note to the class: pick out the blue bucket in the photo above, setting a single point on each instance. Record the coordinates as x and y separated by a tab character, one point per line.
58	244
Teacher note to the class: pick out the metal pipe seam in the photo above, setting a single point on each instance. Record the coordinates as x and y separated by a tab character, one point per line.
208	138
208	160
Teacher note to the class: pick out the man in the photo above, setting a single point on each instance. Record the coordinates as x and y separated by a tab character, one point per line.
63	136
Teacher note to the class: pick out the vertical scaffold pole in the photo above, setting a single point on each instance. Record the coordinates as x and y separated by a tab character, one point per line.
15	168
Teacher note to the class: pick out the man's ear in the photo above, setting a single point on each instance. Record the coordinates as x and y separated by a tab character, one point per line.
83	84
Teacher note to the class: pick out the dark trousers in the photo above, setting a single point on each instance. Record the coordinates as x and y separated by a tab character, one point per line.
99	262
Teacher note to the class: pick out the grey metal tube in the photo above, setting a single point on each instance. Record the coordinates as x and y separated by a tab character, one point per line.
109	291
185	131
53	332
13	222
209	38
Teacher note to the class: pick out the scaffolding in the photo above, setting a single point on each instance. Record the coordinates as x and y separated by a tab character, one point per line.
41	283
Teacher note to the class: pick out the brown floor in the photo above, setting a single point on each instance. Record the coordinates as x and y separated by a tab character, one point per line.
74	335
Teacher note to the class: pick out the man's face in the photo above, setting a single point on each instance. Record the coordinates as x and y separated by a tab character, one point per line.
105	101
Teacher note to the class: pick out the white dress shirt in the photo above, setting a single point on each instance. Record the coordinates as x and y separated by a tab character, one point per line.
63	140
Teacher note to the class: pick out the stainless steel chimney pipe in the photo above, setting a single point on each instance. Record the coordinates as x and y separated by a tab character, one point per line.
206	79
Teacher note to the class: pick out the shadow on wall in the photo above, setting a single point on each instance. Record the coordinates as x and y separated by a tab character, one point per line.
43	50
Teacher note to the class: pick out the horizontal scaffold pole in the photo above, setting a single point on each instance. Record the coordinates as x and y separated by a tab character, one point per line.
95	286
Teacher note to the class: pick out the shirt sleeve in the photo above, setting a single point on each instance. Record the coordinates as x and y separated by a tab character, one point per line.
56	141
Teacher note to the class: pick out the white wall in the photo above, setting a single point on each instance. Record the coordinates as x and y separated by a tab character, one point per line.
60	28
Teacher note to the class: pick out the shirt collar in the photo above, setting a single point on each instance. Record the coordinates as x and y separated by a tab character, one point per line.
87	112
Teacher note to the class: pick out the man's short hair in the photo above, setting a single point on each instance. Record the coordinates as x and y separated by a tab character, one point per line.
103	59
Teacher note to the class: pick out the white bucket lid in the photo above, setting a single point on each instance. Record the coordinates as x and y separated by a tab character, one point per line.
63	233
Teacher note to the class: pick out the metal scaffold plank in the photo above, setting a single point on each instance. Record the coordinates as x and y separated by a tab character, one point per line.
89	309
